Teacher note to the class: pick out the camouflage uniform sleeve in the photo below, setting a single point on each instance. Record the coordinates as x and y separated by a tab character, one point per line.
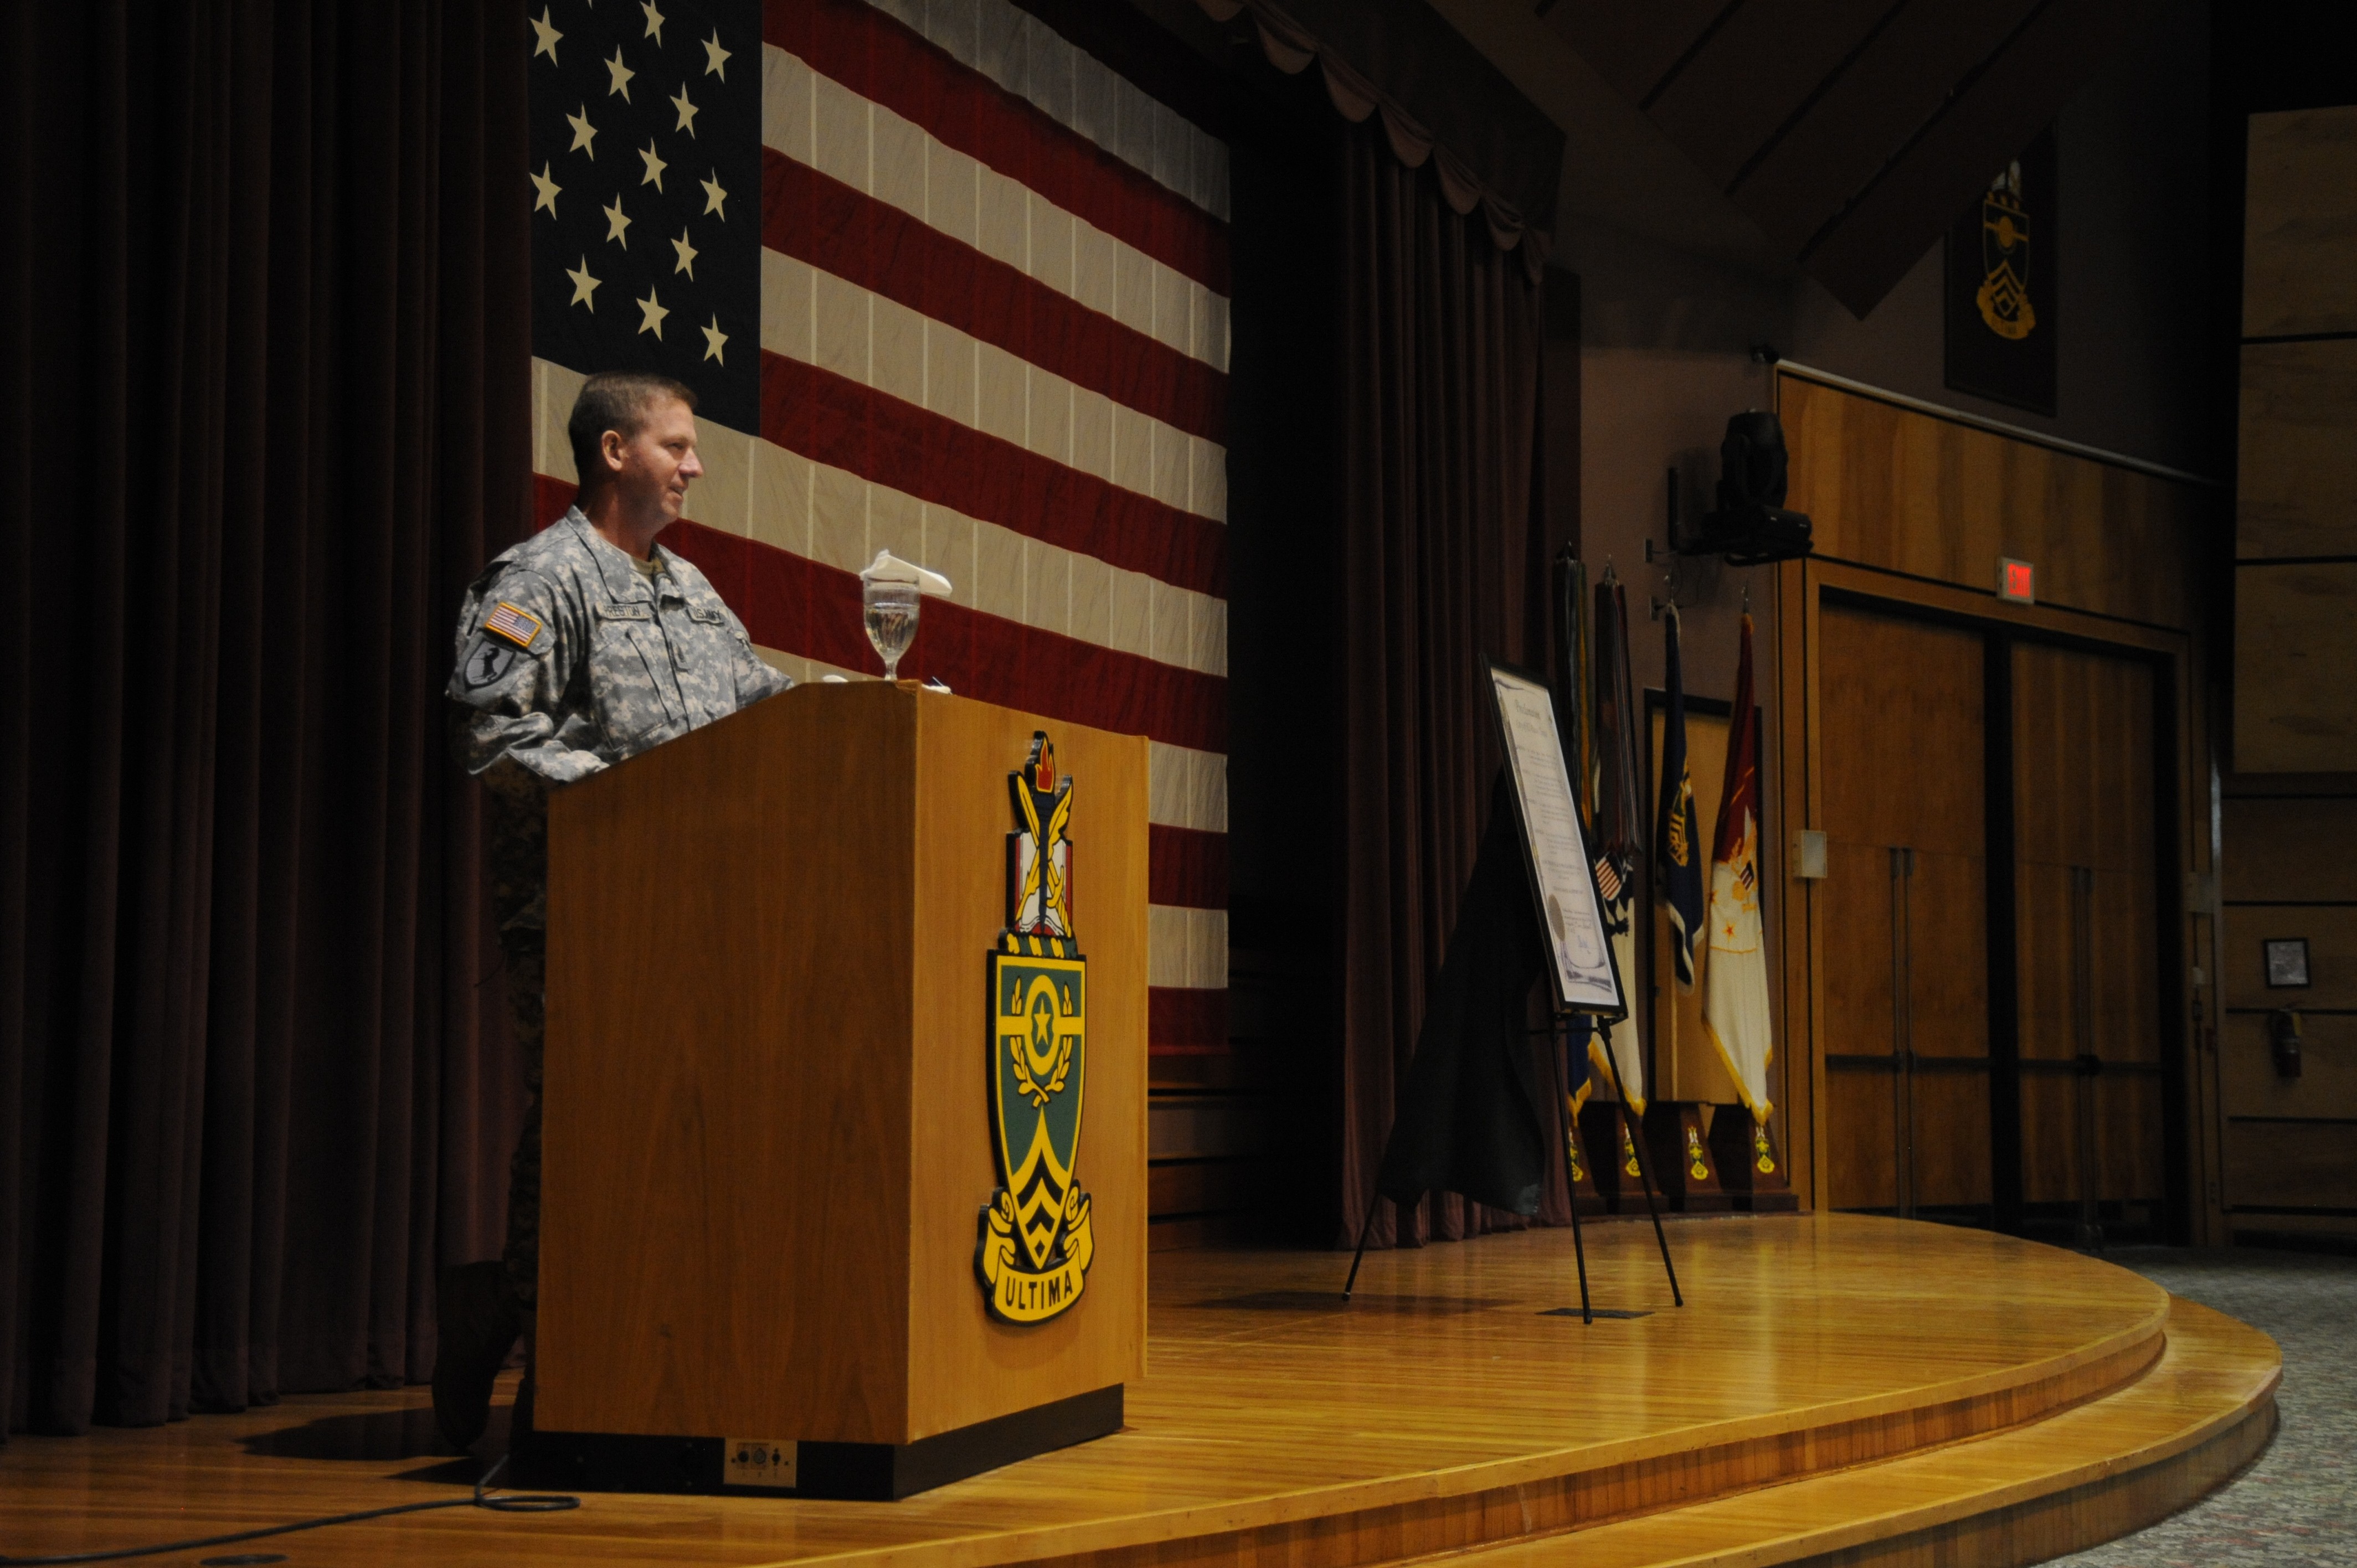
756	679
513	727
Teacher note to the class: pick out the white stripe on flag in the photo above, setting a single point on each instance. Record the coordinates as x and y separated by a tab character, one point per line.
1026	56
817	120
820	319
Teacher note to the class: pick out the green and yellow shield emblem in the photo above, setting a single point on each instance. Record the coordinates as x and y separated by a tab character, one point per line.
1033	1248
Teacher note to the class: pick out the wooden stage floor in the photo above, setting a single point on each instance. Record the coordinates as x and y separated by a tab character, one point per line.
1837	1385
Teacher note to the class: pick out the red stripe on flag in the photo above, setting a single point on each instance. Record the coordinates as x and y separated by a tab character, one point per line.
815	217
1186	867
881	59
806	607
1182	1022
550	497
834	420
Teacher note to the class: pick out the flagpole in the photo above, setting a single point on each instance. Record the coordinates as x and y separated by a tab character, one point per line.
1645	1175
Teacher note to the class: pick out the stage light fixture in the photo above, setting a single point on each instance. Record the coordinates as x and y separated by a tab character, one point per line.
1750	526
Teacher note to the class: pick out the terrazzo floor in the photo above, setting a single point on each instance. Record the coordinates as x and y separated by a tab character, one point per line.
2297	1504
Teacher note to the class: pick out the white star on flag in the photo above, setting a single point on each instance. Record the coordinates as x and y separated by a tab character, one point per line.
714	196
619	76
651	313
616	222
584	285
548	37
713	339
655	167
584	134
687	253
548	189
716	59
654	21
686	111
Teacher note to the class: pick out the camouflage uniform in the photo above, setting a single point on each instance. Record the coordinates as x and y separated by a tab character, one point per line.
585	660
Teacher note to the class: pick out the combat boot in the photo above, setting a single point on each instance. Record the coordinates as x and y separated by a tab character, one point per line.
479	1321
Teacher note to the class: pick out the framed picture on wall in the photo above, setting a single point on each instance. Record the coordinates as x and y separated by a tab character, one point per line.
2287	962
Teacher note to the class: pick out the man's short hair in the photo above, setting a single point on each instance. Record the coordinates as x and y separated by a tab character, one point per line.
619	401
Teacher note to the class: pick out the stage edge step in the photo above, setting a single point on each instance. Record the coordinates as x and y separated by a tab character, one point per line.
2087	1474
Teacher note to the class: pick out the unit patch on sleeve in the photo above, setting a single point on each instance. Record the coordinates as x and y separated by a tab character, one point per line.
516	625
487	660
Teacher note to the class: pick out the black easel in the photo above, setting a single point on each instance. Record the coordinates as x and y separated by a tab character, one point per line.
1562	1031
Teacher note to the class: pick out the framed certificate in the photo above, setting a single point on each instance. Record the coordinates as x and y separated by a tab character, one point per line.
1554	848
2287	962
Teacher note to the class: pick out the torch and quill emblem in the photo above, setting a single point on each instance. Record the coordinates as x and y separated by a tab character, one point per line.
1033	1245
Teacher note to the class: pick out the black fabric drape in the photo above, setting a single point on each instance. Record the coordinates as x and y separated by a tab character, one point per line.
1473	1116
1442	555
264	350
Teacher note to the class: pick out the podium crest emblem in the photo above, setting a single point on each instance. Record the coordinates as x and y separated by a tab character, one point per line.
1034	1245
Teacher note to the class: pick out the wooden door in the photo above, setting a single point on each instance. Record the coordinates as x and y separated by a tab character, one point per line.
2086	936
1900	743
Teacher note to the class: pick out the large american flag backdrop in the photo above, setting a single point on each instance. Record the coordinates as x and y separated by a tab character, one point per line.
947	286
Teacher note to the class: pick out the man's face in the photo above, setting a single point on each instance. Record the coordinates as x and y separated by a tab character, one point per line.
652	470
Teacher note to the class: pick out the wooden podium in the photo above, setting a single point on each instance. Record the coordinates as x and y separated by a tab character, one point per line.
767	1105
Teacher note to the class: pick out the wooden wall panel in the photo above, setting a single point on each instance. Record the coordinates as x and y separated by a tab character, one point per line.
2279	849
1861	1160
1952	1139
2331	936
2288	864
1917	784
2127	1148
2327	1084
2295	668
2297	477
2302	1164
1891	487
2299	232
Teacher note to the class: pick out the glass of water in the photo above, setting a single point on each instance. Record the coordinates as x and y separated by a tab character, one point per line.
890	610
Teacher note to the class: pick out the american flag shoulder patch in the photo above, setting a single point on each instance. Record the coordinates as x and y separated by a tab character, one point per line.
517	626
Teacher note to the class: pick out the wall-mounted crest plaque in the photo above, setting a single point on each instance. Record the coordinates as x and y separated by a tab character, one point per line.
1034	1246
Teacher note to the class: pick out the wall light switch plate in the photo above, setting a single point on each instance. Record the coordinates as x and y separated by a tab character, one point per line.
1809	853
764	1462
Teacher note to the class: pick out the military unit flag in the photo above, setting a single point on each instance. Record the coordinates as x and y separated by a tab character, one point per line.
1677	872
1735	979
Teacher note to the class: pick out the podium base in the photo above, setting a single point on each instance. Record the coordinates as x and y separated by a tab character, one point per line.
850	1472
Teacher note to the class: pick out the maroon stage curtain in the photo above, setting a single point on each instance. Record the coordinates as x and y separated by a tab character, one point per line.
265	354
1444	549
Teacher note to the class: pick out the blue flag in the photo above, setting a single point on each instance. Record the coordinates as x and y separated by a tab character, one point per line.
1677	846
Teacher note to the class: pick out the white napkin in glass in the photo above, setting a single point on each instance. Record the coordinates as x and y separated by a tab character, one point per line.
889	568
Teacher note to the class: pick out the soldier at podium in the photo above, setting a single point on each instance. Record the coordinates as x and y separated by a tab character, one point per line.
584	645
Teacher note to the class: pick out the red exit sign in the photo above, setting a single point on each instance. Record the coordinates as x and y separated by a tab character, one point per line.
2017	580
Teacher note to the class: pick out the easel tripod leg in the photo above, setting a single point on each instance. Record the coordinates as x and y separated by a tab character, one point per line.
1579	1247
1359	1256
1645	1175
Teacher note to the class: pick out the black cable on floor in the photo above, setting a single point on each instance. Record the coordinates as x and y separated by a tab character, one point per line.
519	1502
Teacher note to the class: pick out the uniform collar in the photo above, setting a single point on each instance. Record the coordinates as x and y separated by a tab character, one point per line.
623	580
